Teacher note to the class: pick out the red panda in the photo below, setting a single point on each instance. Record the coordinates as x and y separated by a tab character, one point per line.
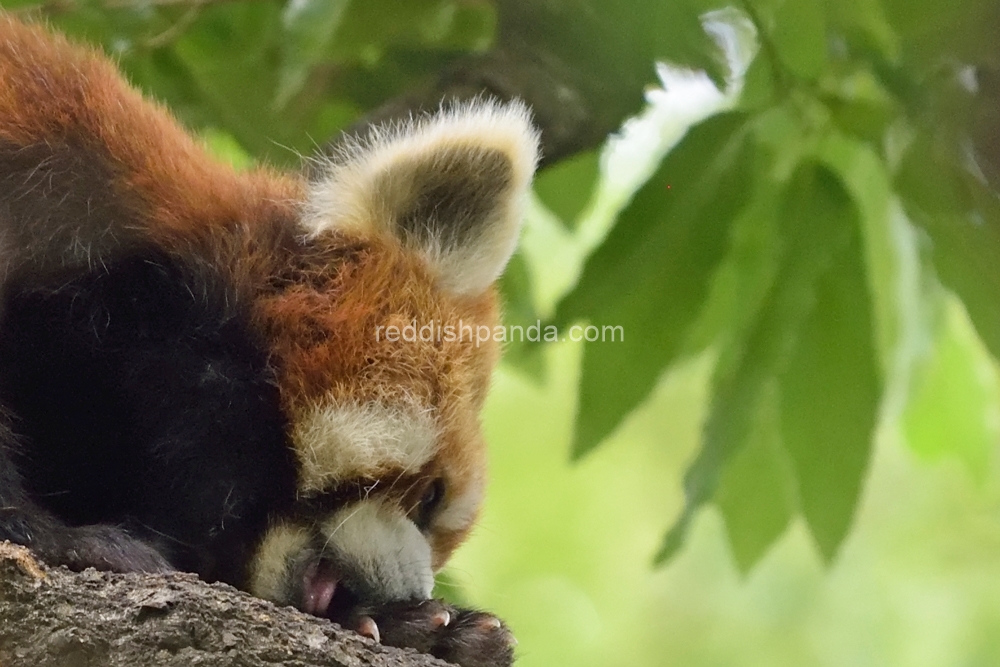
192	374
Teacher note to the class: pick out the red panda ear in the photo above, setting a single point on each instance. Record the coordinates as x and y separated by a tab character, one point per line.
451	185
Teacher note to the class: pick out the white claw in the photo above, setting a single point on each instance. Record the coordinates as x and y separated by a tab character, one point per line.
491	623
368	628
441	619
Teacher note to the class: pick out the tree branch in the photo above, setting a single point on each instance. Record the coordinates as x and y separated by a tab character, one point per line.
574	106
51	617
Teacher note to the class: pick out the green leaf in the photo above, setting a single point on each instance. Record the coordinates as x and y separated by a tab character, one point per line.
652	273
799	37
962	218
231	57
756	493
746	276
566	187
758	85
860	106
309	27
519	311
817	217
934	31
371	28
830	391
463	26
891	255
865	21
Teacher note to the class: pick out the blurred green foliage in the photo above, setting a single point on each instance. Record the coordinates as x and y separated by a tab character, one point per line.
817	254
280	77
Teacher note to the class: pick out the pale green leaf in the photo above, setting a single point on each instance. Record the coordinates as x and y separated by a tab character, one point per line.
830	390
756	492
799	37
566	187
309	28
651	276
817	217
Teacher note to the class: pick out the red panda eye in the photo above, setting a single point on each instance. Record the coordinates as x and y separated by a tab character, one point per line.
431	501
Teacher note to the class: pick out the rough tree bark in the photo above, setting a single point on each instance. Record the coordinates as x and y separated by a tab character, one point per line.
51	617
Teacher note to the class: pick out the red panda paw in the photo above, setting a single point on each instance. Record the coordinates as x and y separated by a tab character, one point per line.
110	548
476	639
462	637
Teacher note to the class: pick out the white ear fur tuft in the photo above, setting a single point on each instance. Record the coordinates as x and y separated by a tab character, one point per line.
451	185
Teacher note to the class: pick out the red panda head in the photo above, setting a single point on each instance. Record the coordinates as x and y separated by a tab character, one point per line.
379	338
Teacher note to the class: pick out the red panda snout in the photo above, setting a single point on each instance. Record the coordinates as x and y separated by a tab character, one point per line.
368	551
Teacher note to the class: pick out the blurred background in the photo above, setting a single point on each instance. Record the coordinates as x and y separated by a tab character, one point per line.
787	208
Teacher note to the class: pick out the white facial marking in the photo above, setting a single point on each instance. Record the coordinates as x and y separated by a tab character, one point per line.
460	512
339	441
385	548
269	573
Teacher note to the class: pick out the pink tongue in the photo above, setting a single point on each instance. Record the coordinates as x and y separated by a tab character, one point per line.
319	585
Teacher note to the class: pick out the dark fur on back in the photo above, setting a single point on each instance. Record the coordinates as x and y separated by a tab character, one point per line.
149	406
